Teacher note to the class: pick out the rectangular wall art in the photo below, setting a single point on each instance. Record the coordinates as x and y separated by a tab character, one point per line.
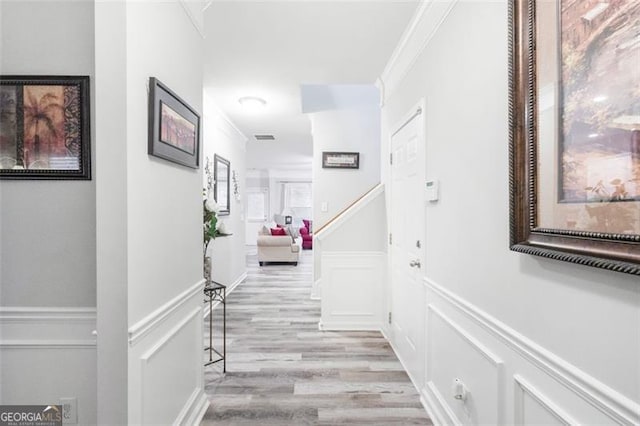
44	127
340	160
174	127
575	131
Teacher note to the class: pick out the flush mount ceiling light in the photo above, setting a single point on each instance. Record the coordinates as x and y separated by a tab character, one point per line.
252	103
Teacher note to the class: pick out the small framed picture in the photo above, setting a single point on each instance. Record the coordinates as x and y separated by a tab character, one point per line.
174	127
44	127
340	160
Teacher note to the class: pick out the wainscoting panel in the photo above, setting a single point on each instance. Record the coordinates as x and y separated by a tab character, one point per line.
352	290
510	379
453	353
164	366
166	363
532	407
47	353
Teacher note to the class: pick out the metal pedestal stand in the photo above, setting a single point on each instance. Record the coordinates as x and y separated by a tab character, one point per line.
216	292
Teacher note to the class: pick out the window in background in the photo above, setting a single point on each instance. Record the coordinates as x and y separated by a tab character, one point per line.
298	199
257	204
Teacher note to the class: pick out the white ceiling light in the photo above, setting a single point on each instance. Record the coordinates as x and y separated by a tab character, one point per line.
252	103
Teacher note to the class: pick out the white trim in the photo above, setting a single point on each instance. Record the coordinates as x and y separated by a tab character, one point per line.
348	326
212	104
397	353
480	349
316	293
381	91
157	347
232	287
167	337
48	344
415	39
29	327
613	404
155	318
443	412
350	212
474	343
30	314
194	410
194	21
523	387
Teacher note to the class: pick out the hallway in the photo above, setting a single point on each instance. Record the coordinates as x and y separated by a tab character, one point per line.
282	370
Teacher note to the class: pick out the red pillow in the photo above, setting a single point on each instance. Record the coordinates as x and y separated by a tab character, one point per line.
278	231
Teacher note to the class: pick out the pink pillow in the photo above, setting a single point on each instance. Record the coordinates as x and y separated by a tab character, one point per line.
278	231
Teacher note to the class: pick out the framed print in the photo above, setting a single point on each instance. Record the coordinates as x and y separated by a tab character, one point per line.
221	171
44	127
174	127
575	131
340	160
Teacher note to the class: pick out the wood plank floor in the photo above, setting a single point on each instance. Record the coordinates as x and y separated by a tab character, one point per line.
282	371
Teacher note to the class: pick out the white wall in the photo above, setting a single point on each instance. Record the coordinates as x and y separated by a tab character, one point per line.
528	335
351	129
347	124
352	252
228	265
47	229
149	219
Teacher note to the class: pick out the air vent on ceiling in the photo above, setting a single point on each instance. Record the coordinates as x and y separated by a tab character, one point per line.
265	137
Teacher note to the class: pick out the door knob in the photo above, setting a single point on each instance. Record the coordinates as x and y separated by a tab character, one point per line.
415	263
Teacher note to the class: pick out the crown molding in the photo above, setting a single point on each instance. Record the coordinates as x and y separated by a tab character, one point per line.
426	22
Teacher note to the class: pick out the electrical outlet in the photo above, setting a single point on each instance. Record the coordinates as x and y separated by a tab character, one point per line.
69	410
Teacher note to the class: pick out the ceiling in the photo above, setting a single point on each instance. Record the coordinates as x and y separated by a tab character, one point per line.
269	48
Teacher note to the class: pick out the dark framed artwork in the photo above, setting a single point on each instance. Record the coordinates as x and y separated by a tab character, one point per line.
221	172
45	127
174	127
340	160
575	131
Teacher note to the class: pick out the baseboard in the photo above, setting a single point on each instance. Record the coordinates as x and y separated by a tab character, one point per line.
316	293
194	410
413	379
350	326
230	289
437	407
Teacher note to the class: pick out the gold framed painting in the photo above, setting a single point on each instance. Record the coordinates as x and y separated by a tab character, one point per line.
575	131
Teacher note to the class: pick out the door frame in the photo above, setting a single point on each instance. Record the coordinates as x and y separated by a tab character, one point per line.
408	117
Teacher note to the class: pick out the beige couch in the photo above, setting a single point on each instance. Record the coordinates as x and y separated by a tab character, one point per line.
273	248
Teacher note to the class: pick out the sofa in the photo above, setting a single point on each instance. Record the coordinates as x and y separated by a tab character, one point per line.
306	232
276	248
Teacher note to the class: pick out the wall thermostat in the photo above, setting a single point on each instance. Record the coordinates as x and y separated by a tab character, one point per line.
432	190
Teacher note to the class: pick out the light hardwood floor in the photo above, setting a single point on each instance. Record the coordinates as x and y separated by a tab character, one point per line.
282	371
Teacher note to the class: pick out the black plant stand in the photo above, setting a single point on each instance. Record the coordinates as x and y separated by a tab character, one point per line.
216	292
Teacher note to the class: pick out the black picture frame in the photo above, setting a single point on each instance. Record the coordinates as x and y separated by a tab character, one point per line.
340	160
618	252
221	186
174	127
45	130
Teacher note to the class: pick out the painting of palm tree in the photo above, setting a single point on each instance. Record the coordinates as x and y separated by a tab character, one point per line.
44	127
8	141
43	124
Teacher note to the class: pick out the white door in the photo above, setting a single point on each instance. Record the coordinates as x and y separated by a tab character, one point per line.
407	243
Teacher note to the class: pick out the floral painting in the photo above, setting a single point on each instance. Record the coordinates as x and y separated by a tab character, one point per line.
43	129
600	91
